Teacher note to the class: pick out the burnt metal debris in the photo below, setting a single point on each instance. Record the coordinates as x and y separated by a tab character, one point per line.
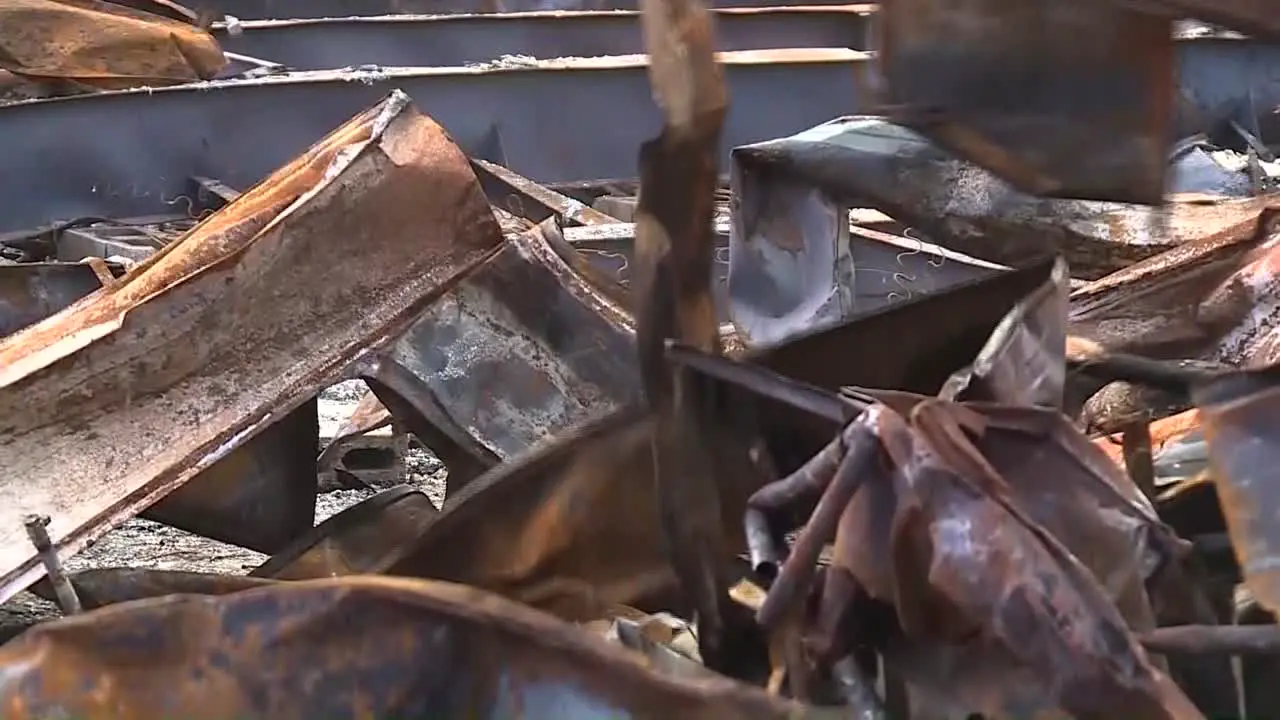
639	359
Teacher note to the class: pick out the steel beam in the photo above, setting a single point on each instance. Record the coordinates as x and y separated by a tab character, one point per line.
132	153
439	40
264	9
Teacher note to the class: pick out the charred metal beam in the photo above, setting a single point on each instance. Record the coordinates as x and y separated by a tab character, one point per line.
525	198
566	119
443	40
260	9
108	409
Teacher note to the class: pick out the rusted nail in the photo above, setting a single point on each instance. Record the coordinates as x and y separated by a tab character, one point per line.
37	529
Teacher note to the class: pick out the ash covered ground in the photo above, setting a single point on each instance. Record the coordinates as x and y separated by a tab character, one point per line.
145	544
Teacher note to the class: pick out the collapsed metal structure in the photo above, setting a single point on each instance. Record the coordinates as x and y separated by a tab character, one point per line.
845	414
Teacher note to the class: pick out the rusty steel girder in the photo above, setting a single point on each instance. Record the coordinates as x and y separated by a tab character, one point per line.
113	404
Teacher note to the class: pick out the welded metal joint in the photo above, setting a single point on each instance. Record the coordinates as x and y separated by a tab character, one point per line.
38	530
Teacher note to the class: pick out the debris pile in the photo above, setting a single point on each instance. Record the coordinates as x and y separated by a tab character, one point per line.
949	402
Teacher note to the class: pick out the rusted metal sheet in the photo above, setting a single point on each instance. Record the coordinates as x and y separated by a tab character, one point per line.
1084	107
795	262
525	347
375	647
108	408
1155	308
978	550
102	45
261	495
964	208
1255	17
527	199
1205	304
102	155
572	527
1238	413
983	561
455	40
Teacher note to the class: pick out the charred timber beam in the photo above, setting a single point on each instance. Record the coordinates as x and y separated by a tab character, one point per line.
443	40
566	119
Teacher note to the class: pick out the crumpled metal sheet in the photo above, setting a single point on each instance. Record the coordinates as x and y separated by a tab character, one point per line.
101	587
1238	412
1016	556
572	527
354	647
1084	105
1015	596
963	207
102	45
796	265
1140	562
524	347
1164	307
118	400
1023	362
